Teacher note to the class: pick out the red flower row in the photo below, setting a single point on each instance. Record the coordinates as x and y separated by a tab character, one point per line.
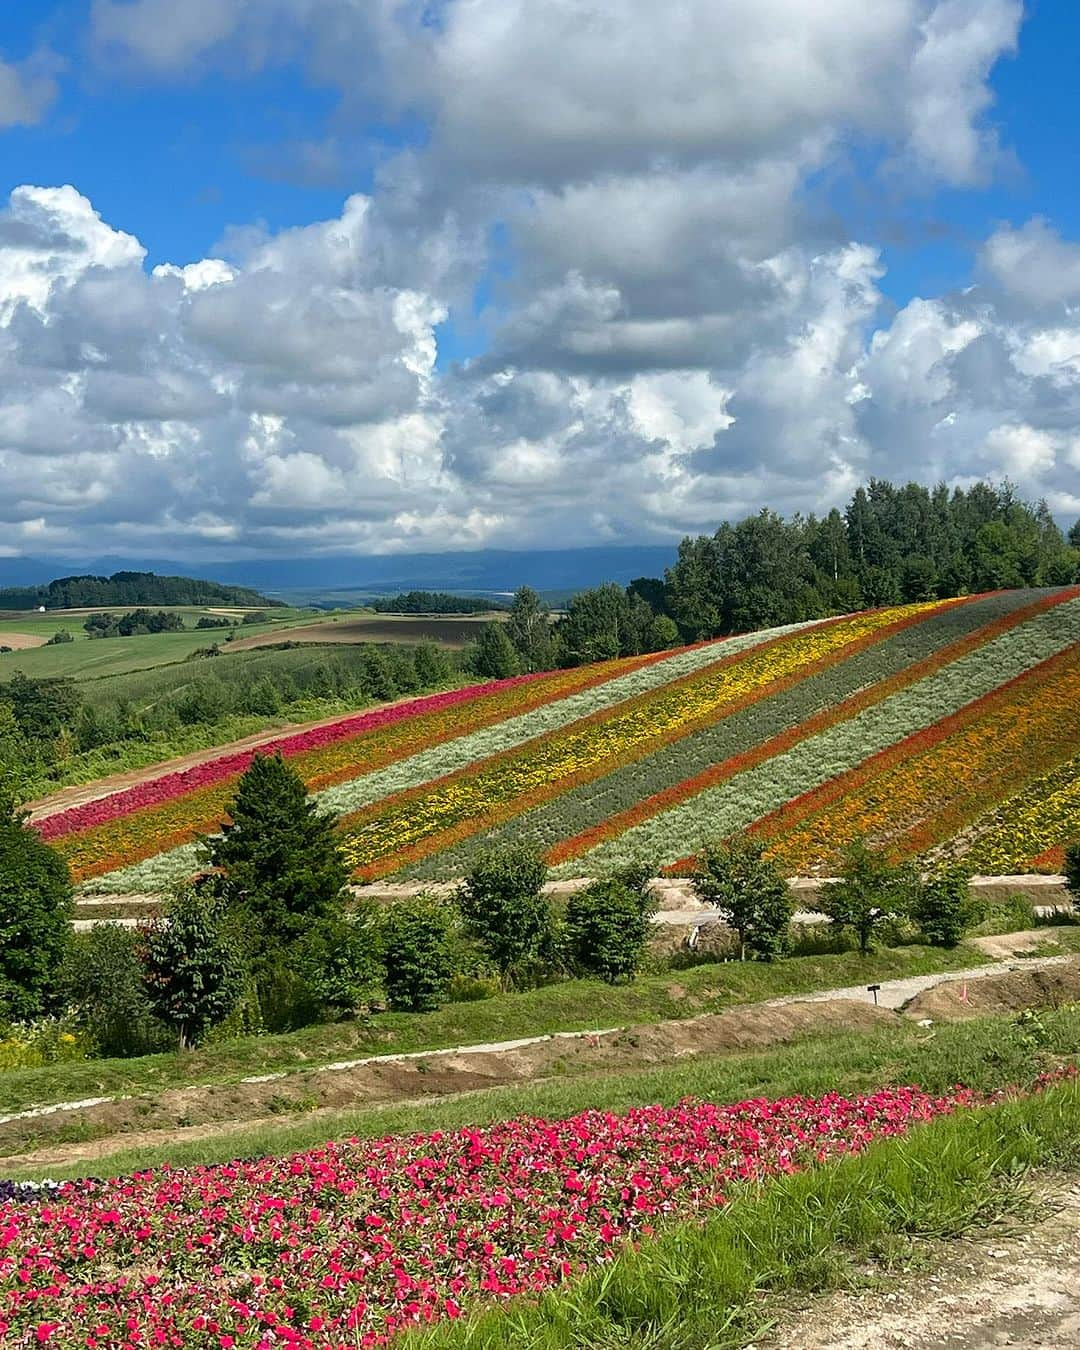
156	790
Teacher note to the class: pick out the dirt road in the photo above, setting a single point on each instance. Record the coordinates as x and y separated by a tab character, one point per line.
1020	1290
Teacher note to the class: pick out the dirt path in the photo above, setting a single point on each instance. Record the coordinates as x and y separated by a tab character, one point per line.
1020	1290
380	1079
374	1079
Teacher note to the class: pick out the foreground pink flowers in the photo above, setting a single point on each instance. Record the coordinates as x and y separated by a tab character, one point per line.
347	1244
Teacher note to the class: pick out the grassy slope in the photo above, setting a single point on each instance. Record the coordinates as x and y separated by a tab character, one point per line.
575	1005
985	1054
93	658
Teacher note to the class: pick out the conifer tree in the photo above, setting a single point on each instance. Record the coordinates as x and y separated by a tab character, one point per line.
279	854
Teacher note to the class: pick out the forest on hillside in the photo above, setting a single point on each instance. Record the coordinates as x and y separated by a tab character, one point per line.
128	588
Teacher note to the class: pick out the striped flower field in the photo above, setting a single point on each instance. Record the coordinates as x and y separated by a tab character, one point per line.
950	727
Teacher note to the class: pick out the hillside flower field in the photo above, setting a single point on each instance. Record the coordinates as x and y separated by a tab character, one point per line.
348	1244
943	727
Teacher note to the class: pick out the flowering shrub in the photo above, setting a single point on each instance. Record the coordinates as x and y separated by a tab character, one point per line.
348	1244
47	1040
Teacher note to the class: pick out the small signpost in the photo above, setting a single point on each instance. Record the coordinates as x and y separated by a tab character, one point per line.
873	989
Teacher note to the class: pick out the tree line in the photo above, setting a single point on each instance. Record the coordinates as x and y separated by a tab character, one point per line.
891	545
129	588
434	602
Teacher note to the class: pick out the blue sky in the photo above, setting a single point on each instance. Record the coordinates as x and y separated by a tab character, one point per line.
621	280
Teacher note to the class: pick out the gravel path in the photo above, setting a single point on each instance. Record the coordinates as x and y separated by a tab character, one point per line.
995	1289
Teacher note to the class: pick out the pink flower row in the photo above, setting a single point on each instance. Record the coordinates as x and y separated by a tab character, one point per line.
348	1244
164	788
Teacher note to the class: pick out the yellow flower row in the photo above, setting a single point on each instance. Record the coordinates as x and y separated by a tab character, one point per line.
949	772
471	800
1044	814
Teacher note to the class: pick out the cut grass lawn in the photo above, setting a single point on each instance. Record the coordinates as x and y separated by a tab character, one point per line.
574	1005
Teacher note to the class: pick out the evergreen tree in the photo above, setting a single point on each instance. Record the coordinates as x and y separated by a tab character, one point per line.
432	665
494	657
280	856
190	971
376	674
35	918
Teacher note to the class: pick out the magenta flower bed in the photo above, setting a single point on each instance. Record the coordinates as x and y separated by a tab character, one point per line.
348	1244
169	785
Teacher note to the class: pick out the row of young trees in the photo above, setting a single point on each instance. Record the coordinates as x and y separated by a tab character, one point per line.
267	936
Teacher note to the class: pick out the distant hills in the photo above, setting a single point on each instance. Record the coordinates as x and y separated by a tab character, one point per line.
483	570
128	588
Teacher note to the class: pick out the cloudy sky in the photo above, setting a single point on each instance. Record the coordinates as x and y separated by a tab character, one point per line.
302	276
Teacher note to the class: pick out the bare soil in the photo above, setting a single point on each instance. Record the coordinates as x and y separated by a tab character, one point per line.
452	631
160	1117
1001	946
1047	986
21	642
1018	1289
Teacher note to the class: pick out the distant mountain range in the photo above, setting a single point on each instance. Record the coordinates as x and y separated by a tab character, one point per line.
485	570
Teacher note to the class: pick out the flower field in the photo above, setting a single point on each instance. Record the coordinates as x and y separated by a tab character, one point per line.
351	1243
924	727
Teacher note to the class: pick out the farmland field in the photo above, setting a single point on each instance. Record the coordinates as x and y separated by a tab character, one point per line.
87	658
450	631
922	728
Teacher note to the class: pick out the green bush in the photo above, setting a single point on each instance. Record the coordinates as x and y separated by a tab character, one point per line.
35	919
1014	914
941	907
607	928
191	972
504	908
752	897
871	894
102	981
417	953
338	961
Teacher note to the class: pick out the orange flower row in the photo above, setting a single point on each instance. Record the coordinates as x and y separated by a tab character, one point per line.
928	786
716	774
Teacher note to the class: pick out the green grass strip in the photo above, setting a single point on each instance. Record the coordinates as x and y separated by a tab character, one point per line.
571	1005
984	1054
708	1284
